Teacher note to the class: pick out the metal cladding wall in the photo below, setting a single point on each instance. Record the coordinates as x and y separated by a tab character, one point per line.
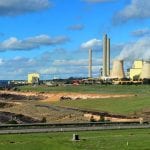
117	69
145	70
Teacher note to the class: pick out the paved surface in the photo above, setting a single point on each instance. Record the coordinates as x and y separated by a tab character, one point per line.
66	129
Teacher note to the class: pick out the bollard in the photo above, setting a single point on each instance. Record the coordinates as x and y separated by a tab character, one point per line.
75	137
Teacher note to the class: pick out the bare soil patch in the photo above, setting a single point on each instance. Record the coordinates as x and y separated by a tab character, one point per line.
51	97
19	96
76	96
7	117
6	105
39	105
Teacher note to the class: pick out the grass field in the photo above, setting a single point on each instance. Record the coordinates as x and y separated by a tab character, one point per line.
101	140
107	89
124	106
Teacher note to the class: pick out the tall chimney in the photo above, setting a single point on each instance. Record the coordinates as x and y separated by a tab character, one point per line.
105	55
108	56
90	63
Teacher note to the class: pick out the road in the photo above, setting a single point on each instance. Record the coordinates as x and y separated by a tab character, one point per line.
72	129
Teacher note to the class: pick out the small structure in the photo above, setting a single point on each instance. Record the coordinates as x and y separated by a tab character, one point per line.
33	78
75	137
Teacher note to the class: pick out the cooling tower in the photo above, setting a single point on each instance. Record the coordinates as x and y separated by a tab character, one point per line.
90	63
145	74
117	70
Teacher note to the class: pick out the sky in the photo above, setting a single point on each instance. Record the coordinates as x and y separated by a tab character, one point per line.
52	37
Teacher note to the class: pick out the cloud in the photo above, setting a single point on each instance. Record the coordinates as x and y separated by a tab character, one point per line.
77	67
137	9
19	67
141	32
98	1
76	27
79	62
65	62
48	64
31	43
17	7
137	50
93	44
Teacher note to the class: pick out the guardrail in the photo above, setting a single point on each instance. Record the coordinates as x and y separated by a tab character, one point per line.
68	125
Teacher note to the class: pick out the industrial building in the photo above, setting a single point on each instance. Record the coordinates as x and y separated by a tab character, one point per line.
140	70
145	74
33	78
136	70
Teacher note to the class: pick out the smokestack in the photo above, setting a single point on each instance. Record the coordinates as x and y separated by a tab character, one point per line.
90	63
108	56
117	70
105	55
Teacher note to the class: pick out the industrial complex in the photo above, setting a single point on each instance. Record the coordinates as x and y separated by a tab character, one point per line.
113	73
110	73
139	73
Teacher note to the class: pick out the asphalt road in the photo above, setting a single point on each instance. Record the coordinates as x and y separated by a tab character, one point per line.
71	129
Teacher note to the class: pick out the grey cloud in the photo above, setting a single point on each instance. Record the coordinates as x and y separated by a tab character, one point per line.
141	32
137	9
17	7
48	65
76	27
32	42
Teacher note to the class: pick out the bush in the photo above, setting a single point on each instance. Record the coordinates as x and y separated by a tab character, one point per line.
12	122
44	120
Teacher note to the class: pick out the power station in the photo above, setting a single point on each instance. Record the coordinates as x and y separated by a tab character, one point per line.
139	72
113	74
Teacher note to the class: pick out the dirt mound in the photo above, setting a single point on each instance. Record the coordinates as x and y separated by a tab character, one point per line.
50	97
12	118
89	96
9	96
6	105
79	96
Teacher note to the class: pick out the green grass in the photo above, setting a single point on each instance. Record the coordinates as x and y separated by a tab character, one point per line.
128	105
124	106
137	139
111	89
